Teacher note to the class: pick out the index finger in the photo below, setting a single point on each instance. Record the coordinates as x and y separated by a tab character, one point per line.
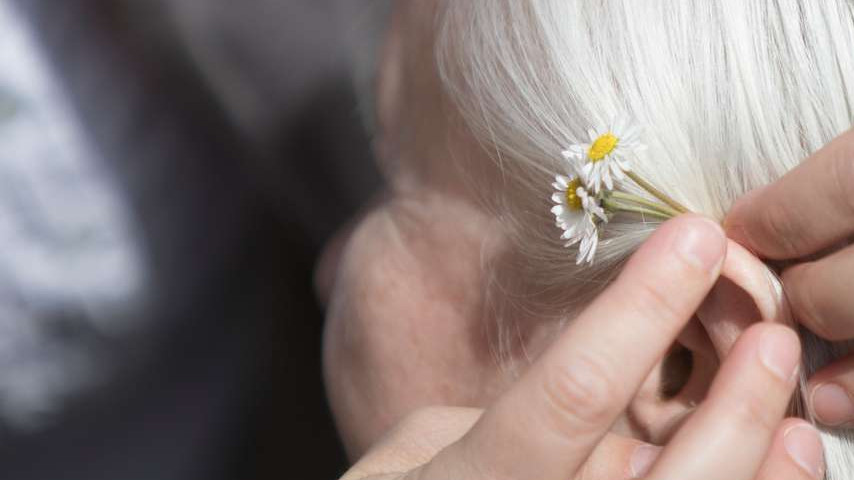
547	425
808	209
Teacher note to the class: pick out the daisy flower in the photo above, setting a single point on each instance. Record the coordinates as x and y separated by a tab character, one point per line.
607	157
576	213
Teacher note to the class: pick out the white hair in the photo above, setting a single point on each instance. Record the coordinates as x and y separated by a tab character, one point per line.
731	95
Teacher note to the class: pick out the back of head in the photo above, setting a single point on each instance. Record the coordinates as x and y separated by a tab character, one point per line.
731	94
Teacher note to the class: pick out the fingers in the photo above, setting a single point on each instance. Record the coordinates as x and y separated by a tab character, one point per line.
729	434
830	394
546	426
796	453
820	294
810	208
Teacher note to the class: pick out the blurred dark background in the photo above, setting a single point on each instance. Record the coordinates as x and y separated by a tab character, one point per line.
230	136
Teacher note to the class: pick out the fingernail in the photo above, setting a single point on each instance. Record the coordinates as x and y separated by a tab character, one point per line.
780	352
804	446
701	243
832	405
642	459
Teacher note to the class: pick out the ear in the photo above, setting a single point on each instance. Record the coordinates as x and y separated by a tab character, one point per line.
746	293
749	292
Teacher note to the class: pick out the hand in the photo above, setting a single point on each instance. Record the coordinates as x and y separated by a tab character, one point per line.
553	423
807	218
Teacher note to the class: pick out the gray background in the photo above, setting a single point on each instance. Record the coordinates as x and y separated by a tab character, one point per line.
232	131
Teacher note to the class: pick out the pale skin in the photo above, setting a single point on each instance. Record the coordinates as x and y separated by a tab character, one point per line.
414	384
807	219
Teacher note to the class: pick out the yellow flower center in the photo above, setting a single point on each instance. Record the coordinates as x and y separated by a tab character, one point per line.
602	147
573	201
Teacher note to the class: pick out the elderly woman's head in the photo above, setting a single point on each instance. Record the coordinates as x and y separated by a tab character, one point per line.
458	276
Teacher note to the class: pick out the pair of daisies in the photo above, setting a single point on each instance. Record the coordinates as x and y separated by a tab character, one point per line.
582	204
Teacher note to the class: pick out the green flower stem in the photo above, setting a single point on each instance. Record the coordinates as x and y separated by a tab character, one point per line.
616	206
656	192
628	197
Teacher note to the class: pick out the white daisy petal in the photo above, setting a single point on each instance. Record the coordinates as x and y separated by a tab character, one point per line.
588	169
594	243
587	248
574	152
606	177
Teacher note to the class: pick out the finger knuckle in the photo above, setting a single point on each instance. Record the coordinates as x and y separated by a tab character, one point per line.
752	412
580	395
654	302
777	223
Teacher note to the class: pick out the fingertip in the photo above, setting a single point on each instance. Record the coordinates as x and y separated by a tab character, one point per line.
780	351
737	232
742	206
710	245
698	240
618	457
642	460
831	404
796	453
735	220
703	221
803	446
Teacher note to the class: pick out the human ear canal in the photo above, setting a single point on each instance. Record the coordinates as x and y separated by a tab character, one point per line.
674	387
675	371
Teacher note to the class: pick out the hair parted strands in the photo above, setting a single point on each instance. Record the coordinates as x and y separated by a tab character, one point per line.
731	94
